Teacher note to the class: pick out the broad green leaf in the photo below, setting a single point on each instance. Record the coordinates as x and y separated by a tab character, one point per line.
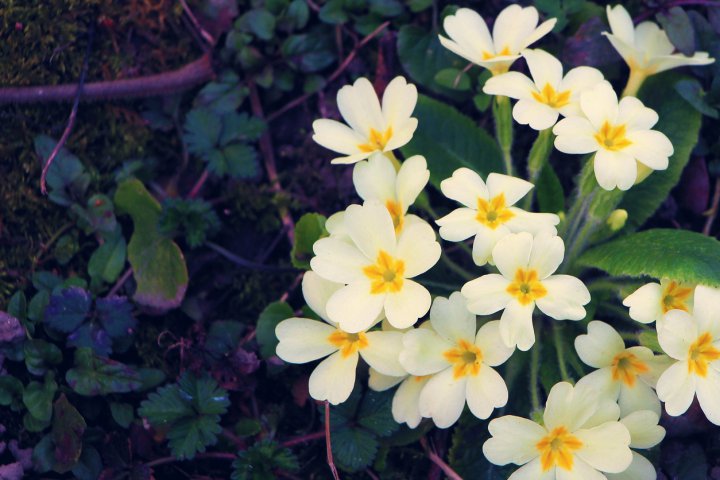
38	397
450	140
549	191
40	355
273	314
679	29
309	229
94	375
90	464
68	427
681	123
353	448
10	390
115	315
17	306
453	78
375	413
158	263
67	309
682	255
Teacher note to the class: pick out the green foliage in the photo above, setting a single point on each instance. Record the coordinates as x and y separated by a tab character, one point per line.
273	314
67	309
38	398
190	410
40	355
67	431
309	229
67	179
550	194
261	460
194	219
158	264
450	140
94	375
560	9
122	413
681	255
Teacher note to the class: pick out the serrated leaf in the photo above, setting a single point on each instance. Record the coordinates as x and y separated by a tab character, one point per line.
223	95
68	427
202	130
223	337
309	229
115	315
682	255
375	413
158	263
207	397
353	448
260	461
165	406
681	123
189	436
94	375
90	335
67	309
450	140
240	127
273	314
239	161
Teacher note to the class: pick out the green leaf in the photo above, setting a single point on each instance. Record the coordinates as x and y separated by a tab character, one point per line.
66	178
550	194
376	413
38	397
193	218
679	29
202	130
158	263
273	314
261	460
560	9
386	8
332	12
422	56
223	95
682	255
259	22
238	161
106	263
309	229
43	455
40	355
94	375
223	337
17	306
649	339
353	448
189	436
450	140
68	309
693	93
453	78
115	315
122	413
297	14
67	431
89	466
10	389
681	123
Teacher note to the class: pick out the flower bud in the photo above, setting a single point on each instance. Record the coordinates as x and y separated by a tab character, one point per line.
617	219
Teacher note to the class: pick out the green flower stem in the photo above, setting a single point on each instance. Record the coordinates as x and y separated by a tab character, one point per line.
535	372
502	113
539	154
560	350
393	160
635	81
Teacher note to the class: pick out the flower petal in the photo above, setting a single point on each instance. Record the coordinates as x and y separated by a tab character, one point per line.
544	68
336	136
644	429
487	294
639	469
375	179
485	392
614	169
398	101
513	440
418	248
705	309
565	298
493	349
708	393
600	104
333	379
621	24
302	340
676	387
359	106
354	308
411	179
547	254
601	344
338	261
406	402
379	382
635	115
317	291
512	188
443	398
676	333
422	352
516	327
513	252
465	186
569	406
485	240
605	447
403	308
371	229
382	352
535	114
458	225
451	319
468	29
638	397
650	148
575	135
510	84
644	303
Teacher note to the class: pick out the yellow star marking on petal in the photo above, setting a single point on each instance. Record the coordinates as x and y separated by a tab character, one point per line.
487	55
348	343
493	213
556	448
612	137
396	213
552	98
386	274
377	141
526	287
466	359
675	297
700	353
626	367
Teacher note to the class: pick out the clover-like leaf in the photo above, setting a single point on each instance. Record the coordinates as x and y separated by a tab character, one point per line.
68	309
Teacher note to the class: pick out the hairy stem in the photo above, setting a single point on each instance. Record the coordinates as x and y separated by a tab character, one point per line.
502	113
537	159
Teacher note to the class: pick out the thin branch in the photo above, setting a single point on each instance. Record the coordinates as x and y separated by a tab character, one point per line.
193	19
199	456
328	442
341	68
713	212
199	184
73	111
246	263
187	76
435	458
121	281
303	439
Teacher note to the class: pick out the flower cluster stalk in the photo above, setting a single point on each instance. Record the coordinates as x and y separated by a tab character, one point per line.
502	113
537	159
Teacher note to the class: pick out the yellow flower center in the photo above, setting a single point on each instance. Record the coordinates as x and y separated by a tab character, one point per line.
493	213
488	55
348	343
626	367
552	98
466	359
386	274
377	141
526	287
612	137
396	213
700	353
556	448
675	297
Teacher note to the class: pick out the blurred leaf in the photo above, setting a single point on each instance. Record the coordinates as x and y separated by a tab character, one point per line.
223	337
158	263
309	52
681	123
193	218
237	160
297	15
202	130
453	78
106	263
550	194
67	431
223	95
94	375
649	339
17	306
386	8
332	12
115	315
559	9
98	216
240	127
38	398
43	455
66	178
450	140
90	465
11	389
11	330
90	335
273	314
679	29
40	355
661	249
416	6
37	305
122	413
692	92
258	21
309	229
68	309
260	461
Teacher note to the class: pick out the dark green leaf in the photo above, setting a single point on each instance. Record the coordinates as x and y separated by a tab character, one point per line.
240	161
122	413
649	339
273	314
386	8
193	218
353	448
66	177
43	455
38	398
550	195
310	52
453	78
240	127
376	413
202	131
333	12
259	22
94	375
10	389
68	427
309	229
560	9
692	92
17	306
297	14
98	216
67	309
416	6
224	95
679	29
191	435
115	315
37	305
90	465
450	140
91	335
260	461
106	263
682	255
223	337
39	355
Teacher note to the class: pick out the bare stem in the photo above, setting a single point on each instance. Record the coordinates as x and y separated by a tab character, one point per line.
328	442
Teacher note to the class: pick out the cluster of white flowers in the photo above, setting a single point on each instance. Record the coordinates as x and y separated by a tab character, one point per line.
361	280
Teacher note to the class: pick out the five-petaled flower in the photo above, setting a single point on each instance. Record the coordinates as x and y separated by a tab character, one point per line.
548	94
693	341
488	211
652	301
580	437
460	359
526	279
644	433
514	30
372	128
618	132
303	340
